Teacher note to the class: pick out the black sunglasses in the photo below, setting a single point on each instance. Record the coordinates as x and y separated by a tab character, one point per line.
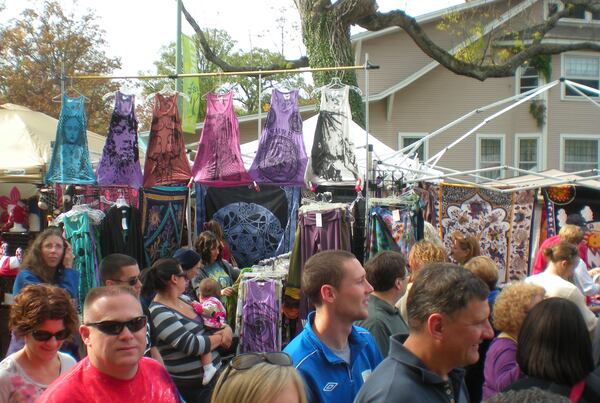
130	282
248	360
114	327
42	335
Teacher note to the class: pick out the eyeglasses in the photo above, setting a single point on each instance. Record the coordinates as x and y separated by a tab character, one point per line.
130	282
248	360
114	327
182	274
42	335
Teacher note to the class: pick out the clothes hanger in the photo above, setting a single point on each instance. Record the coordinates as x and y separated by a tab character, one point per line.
335	82
168	89
59	97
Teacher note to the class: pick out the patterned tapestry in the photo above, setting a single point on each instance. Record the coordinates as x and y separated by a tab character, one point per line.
586	202
502	221
257	225
163	215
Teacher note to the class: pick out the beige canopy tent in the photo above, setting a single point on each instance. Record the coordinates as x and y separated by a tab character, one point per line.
26	137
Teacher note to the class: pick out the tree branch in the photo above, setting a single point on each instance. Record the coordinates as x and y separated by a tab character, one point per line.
223	65
378	21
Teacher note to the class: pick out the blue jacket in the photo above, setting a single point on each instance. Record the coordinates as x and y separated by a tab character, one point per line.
328	378
69	281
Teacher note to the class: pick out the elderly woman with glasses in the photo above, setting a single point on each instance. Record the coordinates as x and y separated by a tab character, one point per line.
44	316
180	332
260	377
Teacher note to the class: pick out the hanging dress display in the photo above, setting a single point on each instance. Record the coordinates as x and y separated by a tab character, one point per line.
120	161
332	158
121	232
260	313
219	159
166	162
281	157
70	162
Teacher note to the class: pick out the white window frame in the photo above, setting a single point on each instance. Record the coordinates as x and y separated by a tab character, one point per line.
540	148
587	20
563	69
518	76
502	138
403	135
564	137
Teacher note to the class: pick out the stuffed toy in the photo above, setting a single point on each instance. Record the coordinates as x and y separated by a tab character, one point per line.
17	213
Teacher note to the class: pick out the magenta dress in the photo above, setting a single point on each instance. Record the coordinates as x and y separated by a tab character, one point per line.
281	156
120	161
219	159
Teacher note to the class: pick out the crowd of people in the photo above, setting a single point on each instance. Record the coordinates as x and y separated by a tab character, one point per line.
432	326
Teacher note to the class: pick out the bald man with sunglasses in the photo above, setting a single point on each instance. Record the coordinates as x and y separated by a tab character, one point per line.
114	332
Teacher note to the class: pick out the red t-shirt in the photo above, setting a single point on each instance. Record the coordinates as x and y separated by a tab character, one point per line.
540	262
84	383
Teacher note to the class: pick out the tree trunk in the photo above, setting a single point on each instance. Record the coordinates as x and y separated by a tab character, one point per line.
327	41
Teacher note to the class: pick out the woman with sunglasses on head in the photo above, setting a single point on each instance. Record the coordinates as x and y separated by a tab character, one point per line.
44	317
180	332
260	377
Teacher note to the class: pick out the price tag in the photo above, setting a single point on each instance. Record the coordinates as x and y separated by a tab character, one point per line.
124	223
319	219
396	215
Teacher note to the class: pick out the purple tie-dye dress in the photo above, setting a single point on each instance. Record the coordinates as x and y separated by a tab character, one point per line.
120	161
281	156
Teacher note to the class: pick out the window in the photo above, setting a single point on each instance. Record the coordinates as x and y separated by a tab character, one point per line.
490	154
578	14
529	79
583	70
528	152
408	139
580	153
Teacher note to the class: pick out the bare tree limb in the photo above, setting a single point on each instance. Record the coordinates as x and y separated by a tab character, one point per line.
398	18
223	65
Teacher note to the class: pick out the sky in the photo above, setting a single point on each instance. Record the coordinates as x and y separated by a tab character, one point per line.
136	29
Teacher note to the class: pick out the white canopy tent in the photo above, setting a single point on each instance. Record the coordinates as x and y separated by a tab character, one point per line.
532	179
381	152
27	138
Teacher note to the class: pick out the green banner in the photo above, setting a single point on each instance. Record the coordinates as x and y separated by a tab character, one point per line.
191	86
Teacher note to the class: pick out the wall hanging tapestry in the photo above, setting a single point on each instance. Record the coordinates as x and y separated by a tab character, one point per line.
587	203
120	161
219	159
166	161
281	158
70	163
254	223
163	215
502	221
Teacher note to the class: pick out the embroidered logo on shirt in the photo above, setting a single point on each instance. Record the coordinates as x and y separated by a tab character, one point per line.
330	386
365	375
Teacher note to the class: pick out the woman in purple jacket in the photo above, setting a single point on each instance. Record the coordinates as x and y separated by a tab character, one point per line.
511	307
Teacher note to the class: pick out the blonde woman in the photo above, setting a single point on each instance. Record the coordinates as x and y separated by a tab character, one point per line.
511	307
421	253
464	247
260	377
487	270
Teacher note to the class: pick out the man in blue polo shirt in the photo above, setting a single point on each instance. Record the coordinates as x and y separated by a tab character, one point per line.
334	357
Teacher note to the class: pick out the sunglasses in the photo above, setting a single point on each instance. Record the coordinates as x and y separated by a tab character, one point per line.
182	274
248	360
130	282
42	335
114	327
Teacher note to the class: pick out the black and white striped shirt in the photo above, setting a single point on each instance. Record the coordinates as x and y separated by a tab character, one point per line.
180	341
